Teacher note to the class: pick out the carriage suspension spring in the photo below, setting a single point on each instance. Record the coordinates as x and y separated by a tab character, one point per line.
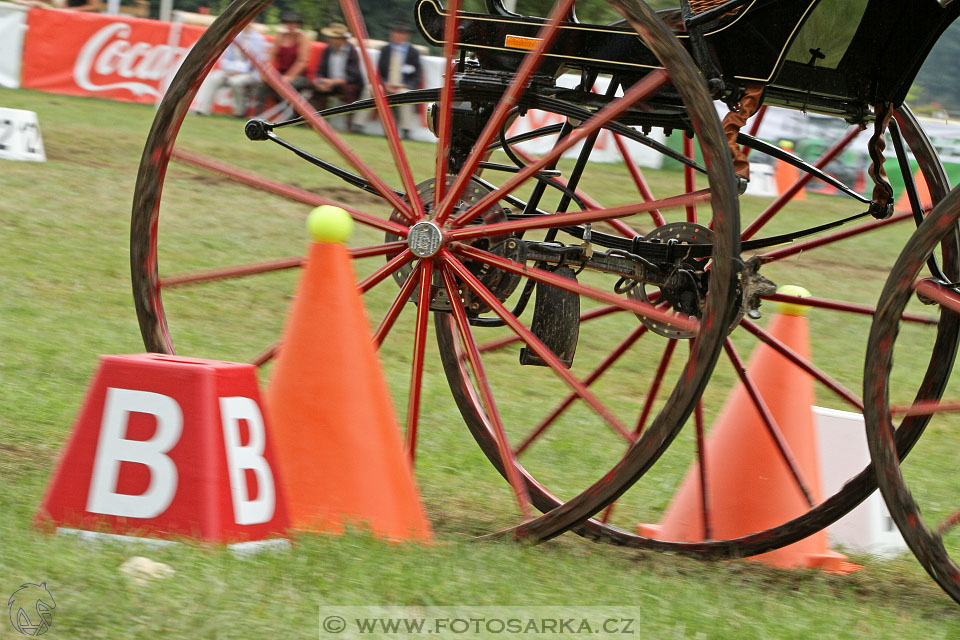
881	206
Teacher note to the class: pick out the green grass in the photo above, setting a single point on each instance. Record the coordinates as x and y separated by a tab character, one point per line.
64	274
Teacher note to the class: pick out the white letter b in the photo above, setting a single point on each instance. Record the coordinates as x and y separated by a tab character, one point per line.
113	448
241	458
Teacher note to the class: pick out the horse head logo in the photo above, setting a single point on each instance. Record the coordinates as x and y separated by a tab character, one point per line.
31	609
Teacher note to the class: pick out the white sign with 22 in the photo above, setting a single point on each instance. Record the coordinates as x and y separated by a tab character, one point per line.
20	136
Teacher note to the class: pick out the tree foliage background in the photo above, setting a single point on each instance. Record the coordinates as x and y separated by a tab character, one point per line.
936	88
938	83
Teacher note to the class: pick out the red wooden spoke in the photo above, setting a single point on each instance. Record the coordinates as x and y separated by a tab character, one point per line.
267	266
949	523
531	61
419	351
648	405
547	277
754	128
618	225
235	271
444	117
576	217
288	191
499	343
605	516
702	466
301	106
608	362
795	188
924	408
942	295
352	14
849	307
655	387
639	180
507	458
642	89
813	243
378	249
395	263
803	363
771	426
533	342
266	355
396	306
689	177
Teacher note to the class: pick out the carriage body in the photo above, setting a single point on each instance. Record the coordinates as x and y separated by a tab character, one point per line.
827	56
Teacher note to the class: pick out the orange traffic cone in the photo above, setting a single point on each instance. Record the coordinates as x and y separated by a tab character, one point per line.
786	174
750	487
340	453
923	192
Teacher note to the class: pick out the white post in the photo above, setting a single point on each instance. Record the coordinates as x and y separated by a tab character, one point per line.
166	10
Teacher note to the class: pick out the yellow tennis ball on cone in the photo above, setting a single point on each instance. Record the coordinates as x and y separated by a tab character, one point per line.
789	309
328	223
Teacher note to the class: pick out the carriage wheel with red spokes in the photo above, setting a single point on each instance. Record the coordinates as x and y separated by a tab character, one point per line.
459	237
842	254
626	359
841	306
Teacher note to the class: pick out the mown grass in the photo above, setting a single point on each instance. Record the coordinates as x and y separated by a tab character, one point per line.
66	299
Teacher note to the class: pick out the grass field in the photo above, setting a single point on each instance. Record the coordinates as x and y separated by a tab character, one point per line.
64	277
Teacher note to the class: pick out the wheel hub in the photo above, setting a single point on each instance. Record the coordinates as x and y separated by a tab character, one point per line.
425	239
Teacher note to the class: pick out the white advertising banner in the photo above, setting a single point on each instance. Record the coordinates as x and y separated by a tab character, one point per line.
13	21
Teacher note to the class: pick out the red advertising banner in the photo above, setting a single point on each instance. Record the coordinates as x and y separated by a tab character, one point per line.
85	54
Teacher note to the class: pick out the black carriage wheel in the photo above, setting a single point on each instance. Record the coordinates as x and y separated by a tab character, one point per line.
887	445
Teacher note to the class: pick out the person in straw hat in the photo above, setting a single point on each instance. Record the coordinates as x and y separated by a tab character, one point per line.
338	73
289	55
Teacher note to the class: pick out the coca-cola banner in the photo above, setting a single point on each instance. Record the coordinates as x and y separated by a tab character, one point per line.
85	54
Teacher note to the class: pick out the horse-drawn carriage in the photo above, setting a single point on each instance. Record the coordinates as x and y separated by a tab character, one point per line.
618	277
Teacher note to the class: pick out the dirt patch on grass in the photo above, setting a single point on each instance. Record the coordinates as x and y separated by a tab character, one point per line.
346	195
76	147
78	156
200	178
15	458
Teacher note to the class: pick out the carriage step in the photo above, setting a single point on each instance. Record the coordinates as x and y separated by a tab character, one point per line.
556	322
